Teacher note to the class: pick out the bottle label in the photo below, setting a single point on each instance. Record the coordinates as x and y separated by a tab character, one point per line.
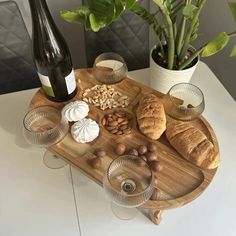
70	82
46	84
47	87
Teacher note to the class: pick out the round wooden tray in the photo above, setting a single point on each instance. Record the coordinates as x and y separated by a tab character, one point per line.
180	181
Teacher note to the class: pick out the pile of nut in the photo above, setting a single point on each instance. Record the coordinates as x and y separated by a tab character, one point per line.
105	97
146	154
118	122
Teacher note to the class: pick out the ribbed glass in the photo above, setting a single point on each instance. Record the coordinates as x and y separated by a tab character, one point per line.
127	183
184	101
109	68
44	126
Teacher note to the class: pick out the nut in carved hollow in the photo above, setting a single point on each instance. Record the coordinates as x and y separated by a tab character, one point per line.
118	122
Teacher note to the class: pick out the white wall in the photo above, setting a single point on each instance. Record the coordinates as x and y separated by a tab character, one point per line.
216	17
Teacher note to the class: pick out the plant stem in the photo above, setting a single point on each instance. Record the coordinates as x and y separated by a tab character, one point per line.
198	52
190	59
188	36
180	35
233	34
181	32
170	38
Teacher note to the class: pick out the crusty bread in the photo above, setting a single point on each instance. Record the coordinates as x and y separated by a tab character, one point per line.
192	144
151	116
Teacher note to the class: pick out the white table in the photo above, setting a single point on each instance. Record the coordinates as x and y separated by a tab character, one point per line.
35	200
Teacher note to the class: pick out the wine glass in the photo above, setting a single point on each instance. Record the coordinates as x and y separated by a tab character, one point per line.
128	185
109	68
45	126
184	101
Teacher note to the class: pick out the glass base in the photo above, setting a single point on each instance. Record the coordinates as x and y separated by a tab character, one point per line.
52	161
123	213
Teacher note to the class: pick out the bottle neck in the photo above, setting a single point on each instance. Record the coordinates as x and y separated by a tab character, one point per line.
40	13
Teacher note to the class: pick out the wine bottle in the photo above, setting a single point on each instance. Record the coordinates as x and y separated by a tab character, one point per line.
51	55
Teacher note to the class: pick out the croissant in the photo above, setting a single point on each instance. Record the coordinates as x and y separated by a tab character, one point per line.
192	144
151	116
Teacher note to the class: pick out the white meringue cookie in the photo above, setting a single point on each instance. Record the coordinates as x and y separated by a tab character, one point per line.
85	130
75	111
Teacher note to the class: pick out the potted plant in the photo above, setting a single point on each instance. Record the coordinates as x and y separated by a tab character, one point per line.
176	25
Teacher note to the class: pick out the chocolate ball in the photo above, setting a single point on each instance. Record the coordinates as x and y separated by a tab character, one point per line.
140	162
156	166
96	162
152	147
142	149
151	156
100	153
120	149
133	152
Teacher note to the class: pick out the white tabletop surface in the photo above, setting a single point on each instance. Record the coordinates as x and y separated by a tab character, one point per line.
35	200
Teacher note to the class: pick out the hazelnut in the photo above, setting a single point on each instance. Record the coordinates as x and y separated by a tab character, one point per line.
152	147
156	166
100	153
142	149
120	149
155	195
96	162
140	162
151	156
133	152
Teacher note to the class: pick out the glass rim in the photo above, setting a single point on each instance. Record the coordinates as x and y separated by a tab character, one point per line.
121	59
43	106
189	108
130	195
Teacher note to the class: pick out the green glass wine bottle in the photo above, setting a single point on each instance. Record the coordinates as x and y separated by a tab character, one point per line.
51	55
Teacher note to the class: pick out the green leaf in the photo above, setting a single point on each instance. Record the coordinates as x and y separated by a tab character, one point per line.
95	25
233	52
128	3
215	45
74	15
97	14
148	17
232	6
193	37
119	8
167	4
189	10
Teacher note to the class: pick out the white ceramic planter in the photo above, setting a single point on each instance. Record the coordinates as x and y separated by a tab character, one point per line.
162	79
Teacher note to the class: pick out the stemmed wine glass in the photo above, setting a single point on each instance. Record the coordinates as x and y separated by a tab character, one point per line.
128	185
45	126
184	101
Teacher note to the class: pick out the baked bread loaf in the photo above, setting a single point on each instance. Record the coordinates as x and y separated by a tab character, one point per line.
151	116
192	144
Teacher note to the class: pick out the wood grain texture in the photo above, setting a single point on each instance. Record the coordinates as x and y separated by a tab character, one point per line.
179	182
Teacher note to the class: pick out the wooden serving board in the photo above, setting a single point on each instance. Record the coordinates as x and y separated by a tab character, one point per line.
180	181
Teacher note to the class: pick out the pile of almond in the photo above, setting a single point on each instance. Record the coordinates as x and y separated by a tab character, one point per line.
118	122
